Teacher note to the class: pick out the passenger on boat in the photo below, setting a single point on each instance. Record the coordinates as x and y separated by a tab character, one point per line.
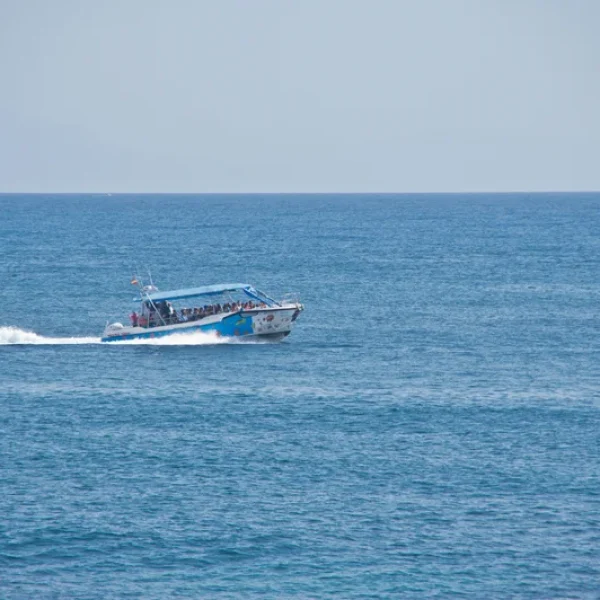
134	318
161	309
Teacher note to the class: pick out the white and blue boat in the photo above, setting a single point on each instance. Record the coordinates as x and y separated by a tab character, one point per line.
235	310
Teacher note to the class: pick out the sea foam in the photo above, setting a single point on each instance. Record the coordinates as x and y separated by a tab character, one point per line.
17	336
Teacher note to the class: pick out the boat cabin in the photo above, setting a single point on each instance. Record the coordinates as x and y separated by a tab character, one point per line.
195	304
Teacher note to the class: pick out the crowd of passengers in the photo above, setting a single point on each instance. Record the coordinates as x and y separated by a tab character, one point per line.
163	313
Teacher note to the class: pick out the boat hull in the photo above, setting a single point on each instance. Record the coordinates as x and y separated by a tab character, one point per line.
270	323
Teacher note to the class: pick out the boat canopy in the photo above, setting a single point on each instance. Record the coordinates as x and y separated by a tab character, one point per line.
207	290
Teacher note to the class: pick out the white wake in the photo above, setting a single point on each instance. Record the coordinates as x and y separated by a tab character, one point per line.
16	336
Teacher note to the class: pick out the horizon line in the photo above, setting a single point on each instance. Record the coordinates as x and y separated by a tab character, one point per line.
375	193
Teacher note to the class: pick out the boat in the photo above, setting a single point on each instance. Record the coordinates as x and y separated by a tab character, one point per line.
236	310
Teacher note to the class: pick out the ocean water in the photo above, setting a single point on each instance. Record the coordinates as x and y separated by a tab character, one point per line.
431	428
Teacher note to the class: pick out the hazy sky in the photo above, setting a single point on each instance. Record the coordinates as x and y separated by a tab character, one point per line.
299	96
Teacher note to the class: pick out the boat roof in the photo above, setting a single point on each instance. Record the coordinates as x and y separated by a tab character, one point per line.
207	290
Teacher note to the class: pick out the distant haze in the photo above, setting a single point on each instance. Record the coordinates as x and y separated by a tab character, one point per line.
299	96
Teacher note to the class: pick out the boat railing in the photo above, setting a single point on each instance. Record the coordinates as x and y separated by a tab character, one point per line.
148	321
290	298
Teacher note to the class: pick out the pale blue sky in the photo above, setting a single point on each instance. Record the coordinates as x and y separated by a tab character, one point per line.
299	96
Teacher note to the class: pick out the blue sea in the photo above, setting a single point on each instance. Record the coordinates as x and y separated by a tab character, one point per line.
430	429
